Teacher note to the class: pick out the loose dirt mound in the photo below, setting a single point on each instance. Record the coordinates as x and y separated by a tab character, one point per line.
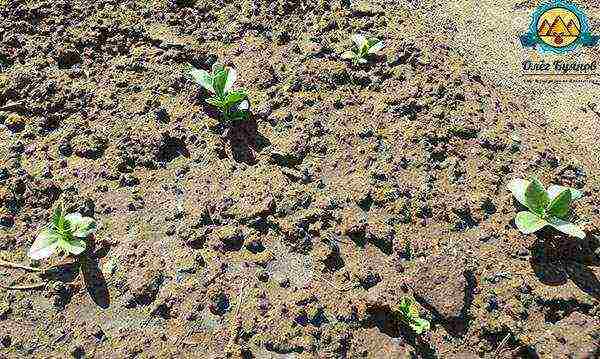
292	235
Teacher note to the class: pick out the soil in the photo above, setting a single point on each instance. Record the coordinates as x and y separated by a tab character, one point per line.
295	234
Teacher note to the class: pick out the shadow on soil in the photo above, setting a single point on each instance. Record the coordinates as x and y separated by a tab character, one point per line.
556	259
95	283
245	140
243	137
458	326
92	276
384	320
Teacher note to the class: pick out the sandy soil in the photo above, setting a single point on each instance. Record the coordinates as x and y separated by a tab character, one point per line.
486	33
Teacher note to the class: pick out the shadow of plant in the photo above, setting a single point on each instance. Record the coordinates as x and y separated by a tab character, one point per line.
245	140
557	259
387	323
92	275
93	278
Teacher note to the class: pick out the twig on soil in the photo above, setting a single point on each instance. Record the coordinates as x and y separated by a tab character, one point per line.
11	105
235	326
502	343
41	271
346	288
7	264
24	287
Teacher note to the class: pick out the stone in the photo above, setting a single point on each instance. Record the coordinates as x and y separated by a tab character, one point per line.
440	281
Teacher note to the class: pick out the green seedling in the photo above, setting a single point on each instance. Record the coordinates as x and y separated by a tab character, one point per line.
409	314
546	207
65	233
363	48
233	104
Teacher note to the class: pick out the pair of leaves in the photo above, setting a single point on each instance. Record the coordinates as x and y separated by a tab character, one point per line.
409	314
363	48
227	101
220	82
546	208
233	104
66	233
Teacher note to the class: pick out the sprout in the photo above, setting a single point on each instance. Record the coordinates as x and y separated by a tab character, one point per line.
546	208
65	233
233	104
362	49
409	314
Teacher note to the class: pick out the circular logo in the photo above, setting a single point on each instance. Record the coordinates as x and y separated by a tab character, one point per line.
558	27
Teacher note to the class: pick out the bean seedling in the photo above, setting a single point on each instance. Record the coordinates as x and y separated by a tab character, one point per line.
65	233
233	104
409	314
546	207
362	49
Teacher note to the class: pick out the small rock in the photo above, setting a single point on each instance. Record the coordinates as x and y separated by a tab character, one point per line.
6	341
293	174
109	268
128	180
4	310
15	123
231	236
78	352
440	281
144	284
6	220
89	146
65	149
354	220
218	302
17	147
162	115
66	58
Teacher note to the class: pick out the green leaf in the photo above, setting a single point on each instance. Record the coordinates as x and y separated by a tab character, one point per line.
566	227
231	77
234	97
203	78
409	314
348	55
219	81
74	246
560	204
57	216
243	105
81	227
536	197
528	222
240	112
555	190
239	115
214	101
375	46
67	230
44	245
217	67
359	40
518	187
420	325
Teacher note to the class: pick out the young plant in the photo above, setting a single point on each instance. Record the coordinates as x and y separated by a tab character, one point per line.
409	314
65	233
546	208
233	104
362	49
